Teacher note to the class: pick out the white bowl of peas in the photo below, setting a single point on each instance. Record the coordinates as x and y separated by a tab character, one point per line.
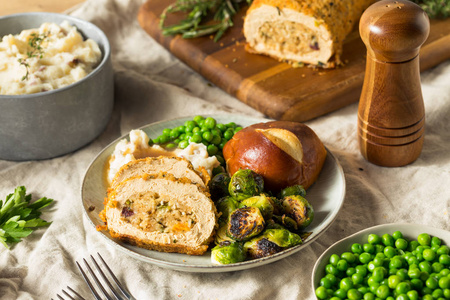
391	261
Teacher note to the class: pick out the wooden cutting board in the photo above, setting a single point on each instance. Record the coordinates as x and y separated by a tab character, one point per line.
275	88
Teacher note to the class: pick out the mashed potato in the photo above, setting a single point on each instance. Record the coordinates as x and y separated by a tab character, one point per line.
45	58
126	151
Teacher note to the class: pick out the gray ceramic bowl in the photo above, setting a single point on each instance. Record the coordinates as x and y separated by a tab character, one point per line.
53	123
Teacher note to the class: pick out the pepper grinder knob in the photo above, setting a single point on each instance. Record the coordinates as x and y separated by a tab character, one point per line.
391	114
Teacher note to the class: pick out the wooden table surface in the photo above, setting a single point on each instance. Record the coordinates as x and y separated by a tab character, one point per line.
8	7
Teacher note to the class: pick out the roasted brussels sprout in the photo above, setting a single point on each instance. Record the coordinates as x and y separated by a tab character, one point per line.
221	237
299	209
225	206
228	254
293	190
262	203
218	186
271	241
245	223
245	184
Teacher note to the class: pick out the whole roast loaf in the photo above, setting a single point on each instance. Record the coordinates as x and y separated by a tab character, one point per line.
307	31
284	153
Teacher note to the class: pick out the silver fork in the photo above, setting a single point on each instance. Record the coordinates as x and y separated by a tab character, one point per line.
125	293
70	296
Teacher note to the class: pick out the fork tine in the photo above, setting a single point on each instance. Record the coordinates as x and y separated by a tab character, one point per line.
73	291
88	282
67	294
57	295
97	281
106	278
122	288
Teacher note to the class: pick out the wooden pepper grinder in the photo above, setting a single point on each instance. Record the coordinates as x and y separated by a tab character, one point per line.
391	114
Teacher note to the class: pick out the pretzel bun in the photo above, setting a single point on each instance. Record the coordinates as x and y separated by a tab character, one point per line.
283	153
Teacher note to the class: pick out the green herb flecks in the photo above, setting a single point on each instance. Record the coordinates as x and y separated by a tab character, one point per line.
19	217
199	12
435	8
34	43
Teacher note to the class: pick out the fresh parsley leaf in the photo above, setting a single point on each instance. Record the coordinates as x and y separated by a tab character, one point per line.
19	217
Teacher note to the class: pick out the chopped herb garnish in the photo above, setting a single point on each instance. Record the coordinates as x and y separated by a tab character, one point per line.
19	217
36	51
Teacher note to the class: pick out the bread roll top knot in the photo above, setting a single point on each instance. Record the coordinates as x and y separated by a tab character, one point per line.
284	153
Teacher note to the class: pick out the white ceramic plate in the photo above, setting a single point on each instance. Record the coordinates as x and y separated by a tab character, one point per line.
410	231
326	196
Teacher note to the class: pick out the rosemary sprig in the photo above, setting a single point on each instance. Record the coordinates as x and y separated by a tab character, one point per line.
435	8
199	12
36	51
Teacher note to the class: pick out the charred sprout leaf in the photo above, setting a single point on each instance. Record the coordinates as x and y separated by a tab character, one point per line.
228	254
262	203
221	237
435	8
298	208
218	186
293	190
271	241
287	222
225	206
245	223
271	224
277	204
245	184
18	218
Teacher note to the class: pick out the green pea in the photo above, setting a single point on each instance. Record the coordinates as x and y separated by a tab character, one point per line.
402	297
369	248
349	257
331	278
424	239
397	235
346	284
431	282
417	284
350	271
401	243
222	144
212	149
237	129
342	265
413	245
228	134
393	281
198	118
389	251
361	269
354	294
181	128
429	255
220	159
443	250
395	263
321	292
437	267
335	298
444	259
365	257
379	273
447	293
340	293
383	291
183	144
216	139
427	297
363	289
387	240
437	293
435	241
170	146
357	278
166	131
379	248
207	136
231	125
378	261
189	126
163	139
369	296
196	129
334	259
210	123
357	248
412	295
371	266
221	127
325	282
374	239
403	273
156	140
196	138
413	260
414	273
403	287
444	283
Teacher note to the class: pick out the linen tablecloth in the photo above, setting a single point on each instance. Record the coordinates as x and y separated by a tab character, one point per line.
152	85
